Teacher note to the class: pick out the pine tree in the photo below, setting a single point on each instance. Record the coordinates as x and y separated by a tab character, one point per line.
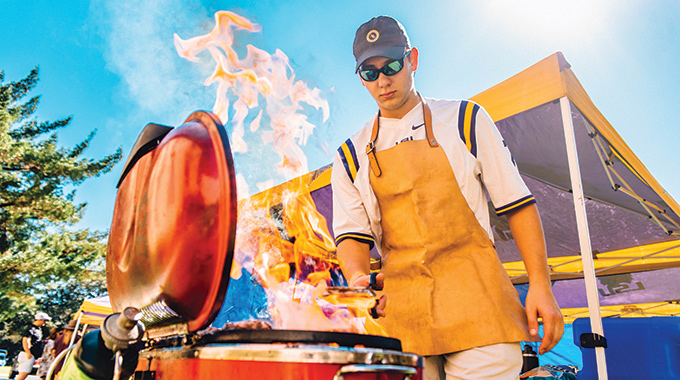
39	245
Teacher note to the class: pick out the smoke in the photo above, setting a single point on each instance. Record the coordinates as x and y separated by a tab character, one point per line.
165	88
138	48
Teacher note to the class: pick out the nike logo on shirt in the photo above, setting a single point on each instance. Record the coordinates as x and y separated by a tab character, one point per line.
417	126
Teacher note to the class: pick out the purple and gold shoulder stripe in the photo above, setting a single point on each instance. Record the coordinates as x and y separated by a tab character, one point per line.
348	156
467	121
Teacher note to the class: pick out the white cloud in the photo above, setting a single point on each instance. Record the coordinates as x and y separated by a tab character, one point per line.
162	87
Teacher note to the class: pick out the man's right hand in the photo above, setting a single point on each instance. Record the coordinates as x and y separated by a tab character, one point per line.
354	258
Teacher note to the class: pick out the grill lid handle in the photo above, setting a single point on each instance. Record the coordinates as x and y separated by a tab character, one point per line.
374	368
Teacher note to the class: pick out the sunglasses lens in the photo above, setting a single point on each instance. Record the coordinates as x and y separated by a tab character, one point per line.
369	75
393	67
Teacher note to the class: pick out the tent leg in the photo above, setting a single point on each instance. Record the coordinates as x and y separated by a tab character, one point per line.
75	330
583	234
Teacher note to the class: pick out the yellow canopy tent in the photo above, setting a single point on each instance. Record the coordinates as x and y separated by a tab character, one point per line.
552	79
631	185
602	170
93	311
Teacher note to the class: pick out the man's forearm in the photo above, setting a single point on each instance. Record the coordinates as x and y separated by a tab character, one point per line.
354	258
527	232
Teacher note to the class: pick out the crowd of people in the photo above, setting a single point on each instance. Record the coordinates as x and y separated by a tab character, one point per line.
39	342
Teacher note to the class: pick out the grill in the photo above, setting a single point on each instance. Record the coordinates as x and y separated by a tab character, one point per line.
276	361
170	251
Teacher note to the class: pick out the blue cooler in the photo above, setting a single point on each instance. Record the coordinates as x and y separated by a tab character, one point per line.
637	348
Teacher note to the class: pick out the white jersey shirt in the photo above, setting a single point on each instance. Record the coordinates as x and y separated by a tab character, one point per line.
473	146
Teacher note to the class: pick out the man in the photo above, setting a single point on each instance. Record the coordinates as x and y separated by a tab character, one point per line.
31	343
412	182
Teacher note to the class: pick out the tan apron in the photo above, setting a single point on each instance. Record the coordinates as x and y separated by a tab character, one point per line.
446	288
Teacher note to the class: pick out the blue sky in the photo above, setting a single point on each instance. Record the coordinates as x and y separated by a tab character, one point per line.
112	65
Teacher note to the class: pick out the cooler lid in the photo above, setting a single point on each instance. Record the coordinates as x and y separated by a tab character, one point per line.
172	236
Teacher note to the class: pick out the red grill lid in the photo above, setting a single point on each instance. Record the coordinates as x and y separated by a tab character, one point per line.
174	223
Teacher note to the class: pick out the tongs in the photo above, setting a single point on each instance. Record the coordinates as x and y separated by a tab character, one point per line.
358	291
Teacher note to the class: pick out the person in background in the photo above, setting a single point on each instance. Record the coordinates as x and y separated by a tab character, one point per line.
414	182
47	357
31	343
63	342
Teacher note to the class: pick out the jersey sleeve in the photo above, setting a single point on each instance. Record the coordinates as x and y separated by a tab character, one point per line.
350	220
498	169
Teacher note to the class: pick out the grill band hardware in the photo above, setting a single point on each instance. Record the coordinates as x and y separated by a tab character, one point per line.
374	368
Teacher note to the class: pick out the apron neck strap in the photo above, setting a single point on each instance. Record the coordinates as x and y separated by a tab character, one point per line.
427	115
370	147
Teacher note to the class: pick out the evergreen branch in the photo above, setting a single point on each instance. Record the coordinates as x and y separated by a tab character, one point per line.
20	88
80	148
23	168
23	111
32	129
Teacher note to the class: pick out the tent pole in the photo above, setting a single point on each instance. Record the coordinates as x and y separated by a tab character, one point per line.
583	234
75	330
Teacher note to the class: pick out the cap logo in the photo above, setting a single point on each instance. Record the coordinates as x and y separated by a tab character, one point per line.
372	36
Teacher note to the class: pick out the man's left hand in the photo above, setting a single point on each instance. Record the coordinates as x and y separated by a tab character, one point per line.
540	302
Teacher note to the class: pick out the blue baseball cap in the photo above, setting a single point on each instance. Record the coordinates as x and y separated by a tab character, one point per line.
381	36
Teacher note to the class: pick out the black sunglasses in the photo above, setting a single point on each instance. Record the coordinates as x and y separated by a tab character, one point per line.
369	75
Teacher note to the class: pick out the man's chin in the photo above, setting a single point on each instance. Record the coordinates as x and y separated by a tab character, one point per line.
391	104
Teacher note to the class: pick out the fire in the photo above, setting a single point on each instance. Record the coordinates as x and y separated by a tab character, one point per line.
282	240
259	75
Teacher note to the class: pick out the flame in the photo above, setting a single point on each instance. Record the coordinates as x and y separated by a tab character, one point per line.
259	75
282	240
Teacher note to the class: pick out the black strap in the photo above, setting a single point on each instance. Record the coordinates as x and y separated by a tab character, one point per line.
374	311
592	340
373	284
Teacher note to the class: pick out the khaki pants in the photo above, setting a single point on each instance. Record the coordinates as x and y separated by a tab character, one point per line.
498	362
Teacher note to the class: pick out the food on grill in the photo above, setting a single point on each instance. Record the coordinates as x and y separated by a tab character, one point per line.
251	324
